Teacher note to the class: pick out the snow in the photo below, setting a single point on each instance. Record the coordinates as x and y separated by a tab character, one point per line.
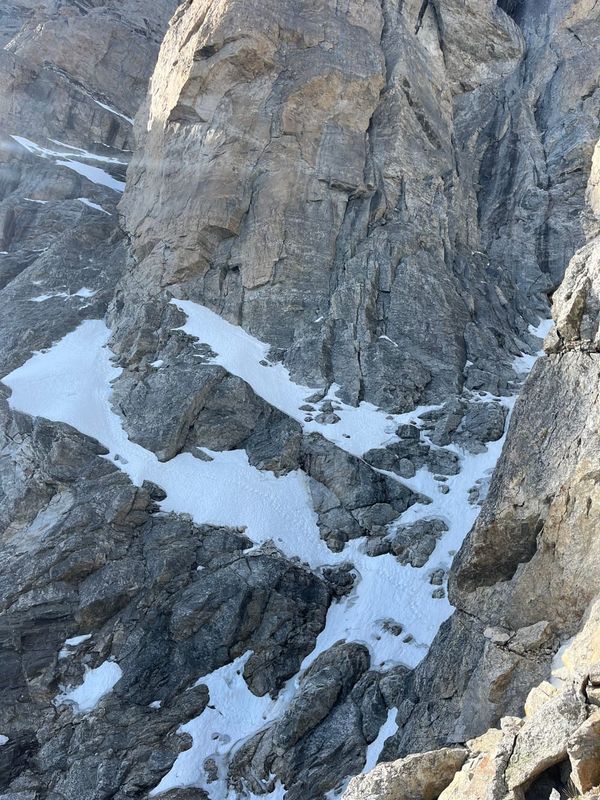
74	641
40	202
71	383
97	683
71	644
523	364
156	704
95	206
389	728
94	174
3	739
559	669
240	353
542	329
114	111
69	159
83	292
217	730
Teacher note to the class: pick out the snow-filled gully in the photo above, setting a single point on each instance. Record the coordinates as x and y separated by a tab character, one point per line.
71	382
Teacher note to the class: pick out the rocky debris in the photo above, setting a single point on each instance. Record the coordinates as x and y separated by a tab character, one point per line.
422	776
583	750
323	735
469	424
541	741
552	752
446	421
530	560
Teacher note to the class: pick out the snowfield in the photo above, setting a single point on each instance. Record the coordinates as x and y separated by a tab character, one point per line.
71	383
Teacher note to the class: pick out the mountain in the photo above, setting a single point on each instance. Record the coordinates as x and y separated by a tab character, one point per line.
299	441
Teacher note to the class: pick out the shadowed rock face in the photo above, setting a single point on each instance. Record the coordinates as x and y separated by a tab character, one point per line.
385	193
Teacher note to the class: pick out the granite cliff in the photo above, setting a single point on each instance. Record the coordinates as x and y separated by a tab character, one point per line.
288	486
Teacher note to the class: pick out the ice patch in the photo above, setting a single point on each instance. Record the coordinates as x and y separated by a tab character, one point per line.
389	728
3	739
74	641
542	329
94	174
559	670
83	292
71	644
97	683
523	364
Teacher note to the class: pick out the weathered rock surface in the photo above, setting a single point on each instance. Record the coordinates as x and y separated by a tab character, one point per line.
385	193
422	776
370	235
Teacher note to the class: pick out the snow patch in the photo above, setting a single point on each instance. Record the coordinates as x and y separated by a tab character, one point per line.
71	644
523	364
359	429
114	111
389	728
232	715
74	641
83	292
95	206
71	383
97	683
3	739
68	159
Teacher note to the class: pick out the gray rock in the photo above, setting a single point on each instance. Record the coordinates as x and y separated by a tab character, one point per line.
413	544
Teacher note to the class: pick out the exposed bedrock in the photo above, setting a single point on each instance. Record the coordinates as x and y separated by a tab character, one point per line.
383	203
387	194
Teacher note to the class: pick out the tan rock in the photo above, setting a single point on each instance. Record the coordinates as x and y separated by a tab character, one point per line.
542	741
584	753
480	773
538	696
583	653
421	776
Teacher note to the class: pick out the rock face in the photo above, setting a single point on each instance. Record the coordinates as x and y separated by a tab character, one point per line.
340	180
360	201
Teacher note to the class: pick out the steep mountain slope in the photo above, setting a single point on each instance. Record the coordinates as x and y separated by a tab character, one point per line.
271	387
529	572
